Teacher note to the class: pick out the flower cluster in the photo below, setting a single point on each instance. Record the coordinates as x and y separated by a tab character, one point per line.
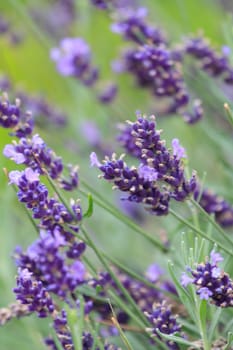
154	69
47	259
213	63
32	150
160	174
11	117
31	292
143	294
63	333
133	27
212	283
73	58
42	111
155	65
163	320
34	194
214	204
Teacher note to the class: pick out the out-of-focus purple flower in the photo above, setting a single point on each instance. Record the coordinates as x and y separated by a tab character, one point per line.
215	257
178	150
42	110
214	63
214	204
46	17
212	283
195	114
94	160
9	151
186	280
73	58
112	4
91	132
154	272
108	94
133	27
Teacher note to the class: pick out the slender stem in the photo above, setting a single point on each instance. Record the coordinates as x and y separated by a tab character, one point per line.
138	277
212	221
103	203
138	315
201	233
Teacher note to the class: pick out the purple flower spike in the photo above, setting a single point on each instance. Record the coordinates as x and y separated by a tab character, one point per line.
212	283
160	174
162	319
73	58
31	292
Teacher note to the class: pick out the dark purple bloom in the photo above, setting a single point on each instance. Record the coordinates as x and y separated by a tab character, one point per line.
162	319
31	292
73	58
160	174
36	155
212	283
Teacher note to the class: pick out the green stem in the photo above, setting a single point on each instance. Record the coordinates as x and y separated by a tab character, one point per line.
138	315
212	221
201	233
103	203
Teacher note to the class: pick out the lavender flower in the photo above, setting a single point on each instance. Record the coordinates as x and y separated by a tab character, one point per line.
52	214
46	259
160	174
214	204
212	283
214	63
133	27
31	292
11	117
63	333
162	319
34	153
73	58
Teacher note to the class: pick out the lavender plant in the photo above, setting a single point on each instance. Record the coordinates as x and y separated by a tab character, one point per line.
89	277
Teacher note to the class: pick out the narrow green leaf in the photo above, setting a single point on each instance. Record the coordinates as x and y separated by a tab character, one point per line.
177	339
89	211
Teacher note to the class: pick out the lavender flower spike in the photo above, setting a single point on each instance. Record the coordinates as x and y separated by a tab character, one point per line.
73	58
212	283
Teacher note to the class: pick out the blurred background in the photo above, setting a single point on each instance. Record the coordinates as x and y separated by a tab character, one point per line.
71	118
